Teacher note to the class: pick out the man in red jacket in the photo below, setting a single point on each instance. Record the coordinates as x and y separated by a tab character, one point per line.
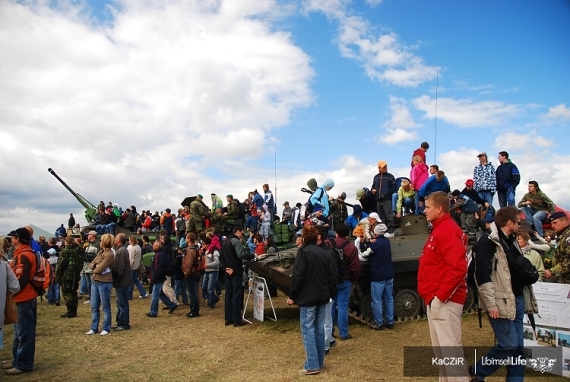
441	283
421	152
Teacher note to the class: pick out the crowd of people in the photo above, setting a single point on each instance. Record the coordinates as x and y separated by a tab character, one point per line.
210	244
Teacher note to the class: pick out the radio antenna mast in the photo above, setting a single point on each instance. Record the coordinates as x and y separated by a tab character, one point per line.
435	120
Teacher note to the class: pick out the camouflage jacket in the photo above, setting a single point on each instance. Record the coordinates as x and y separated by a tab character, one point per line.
233	209
197	210
339	213
69	265
561	268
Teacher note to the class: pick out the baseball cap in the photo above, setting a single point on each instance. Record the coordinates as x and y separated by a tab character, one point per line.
21	233
94	233
481	153
382	163
469	182
52	251
375	216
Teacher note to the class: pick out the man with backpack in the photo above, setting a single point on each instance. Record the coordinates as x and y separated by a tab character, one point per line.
24	266
122	281
441	283
160	266
349	253
503	277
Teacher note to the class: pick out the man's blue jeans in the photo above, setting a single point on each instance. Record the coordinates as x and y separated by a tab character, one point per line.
510	343
122	315
506	197
339	309
157	293
233	299
24	345
192	283
535	218
136	281
209	285
180	290
486	196
312	330
101	296
53	292
419	210
381	292
88	282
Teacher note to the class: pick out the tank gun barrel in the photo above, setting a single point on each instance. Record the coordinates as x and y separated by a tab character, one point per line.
90	208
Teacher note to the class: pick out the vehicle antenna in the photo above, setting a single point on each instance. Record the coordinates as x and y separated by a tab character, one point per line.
435	120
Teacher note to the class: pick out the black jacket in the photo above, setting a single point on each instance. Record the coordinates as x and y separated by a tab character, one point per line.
157	268
232	255
313	280
507	176
385	186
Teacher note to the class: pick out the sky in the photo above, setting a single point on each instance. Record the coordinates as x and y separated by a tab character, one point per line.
145	102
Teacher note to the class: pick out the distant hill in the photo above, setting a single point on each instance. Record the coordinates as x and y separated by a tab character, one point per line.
37	232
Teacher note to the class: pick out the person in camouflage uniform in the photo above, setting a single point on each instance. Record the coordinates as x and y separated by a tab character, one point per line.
561	268
69	266
233	208
339	213
217	221
198	212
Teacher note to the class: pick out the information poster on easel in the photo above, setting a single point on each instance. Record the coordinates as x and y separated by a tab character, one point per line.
552	334
258	299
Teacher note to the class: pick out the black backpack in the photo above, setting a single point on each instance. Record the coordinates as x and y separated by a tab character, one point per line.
340	261
309	207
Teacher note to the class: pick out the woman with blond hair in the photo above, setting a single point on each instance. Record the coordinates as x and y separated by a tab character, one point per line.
418	176
101	285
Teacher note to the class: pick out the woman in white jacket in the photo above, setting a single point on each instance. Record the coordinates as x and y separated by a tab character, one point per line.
8	283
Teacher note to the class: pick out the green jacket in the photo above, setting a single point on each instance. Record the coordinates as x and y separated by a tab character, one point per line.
539	202
402	194
561	268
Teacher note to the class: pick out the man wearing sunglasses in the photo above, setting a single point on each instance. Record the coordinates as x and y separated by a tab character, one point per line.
501	288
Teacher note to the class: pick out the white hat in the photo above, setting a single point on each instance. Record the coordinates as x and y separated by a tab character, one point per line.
52	251
375	216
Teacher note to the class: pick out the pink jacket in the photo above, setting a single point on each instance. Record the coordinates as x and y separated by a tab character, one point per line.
419	175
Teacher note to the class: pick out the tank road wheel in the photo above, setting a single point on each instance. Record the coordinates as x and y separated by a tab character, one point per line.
469	300
366	307
407	304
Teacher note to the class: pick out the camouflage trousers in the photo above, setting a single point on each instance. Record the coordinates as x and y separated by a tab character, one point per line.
195	225
69	292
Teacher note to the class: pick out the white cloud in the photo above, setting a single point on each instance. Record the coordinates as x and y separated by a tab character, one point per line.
373	3
394	136
401	116
558	112
397	127
466	112
383	56
144	110
532	155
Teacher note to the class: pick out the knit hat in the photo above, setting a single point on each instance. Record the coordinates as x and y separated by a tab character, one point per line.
380	229
318	207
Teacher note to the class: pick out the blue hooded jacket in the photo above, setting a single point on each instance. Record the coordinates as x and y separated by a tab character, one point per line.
321	197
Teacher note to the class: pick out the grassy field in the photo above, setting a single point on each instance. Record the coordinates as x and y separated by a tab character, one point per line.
176	348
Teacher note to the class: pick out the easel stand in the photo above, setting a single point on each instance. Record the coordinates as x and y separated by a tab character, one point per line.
253	282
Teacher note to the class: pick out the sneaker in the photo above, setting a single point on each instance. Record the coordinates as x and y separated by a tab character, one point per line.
104	333
57	303
91	332
7	365
13	371
308	372
332	344
145	296
388	234
376	327
150	315
87	302
345	338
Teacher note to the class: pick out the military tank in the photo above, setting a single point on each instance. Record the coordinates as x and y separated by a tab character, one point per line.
406	250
